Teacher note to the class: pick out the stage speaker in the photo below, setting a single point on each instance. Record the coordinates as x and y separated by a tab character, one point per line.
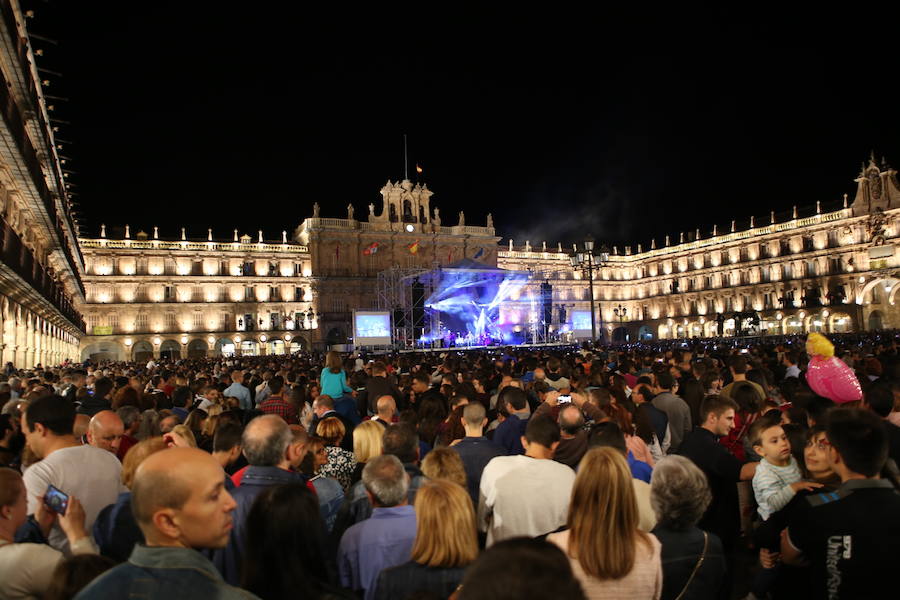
546	303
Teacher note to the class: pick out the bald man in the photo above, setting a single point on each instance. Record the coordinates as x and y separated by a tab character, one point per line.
180	503
105	431
385	409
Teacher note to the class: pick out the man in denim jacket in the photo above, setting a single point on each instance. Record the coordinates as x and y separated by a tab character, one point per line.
266	443
180	503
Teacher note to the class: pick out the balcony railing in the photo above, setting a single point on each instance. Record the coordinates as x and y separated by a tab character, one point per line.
20	259
15	124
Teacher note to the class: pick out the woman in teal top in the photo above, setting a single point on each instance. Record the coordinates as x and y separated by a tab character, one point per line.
333	382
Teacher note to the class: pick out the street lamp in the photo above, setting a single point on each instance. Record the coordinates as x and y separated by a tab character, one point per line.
621	312
311	317
587	263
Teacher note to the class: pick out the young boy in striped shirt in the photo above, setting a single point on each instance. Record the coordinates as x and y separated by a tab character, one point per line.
776	481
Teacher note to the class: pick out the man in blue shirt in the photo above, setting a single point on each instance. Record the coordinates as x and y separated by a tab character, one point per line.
386	538
509	433
475	450
610	434
237	390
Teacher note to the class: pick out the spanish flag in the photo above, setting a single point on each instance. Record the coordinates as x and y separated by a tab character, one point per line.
371	249
414	247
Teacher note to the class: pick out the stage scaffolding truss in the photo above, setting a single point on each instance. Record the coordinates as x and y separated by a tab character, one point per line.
402	292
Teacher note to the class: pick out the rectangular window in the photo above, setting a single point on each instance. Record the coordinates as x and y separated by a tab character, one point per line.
169	293
198	321
298	269
112	320
225	322
274	294
170	321
249	293
141	322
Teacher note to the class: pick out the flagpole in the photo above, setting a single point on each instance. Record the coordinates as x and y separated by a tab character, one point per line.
405	160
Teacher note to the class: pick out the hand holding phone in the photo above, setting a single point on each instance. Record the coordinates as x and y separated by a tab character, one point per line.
563	399
56	500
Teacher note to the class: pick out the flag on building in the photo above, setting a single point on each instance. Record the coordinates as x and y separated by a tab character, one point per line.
414	247
371	249
479	254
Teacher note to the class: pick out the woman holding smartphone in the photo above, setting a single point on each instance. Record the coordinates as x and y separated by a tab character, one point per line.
26	569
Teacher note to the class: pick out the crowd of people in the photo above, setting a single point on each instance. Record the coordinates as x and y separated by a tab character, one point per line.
638	471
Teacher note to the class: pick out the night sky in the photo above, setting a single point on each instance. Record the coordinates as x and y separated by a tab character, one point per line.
627	126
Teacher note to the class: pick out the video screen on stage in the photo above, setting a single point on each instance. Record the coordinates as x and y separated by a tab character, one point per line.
371	328
581	320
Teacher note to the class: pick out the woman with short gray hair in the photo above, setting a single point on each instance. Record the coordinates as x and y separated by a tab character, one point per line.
692	559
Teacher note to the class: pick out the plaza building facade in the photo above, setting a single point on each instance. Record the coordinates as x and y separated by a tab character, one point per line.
149	297
812	269
41	268
830	271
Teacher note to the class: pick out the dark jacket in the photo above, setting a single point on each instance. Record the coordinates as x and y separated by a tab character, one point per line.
476	453
255	480
116	531
347	442
658	420
162	573
376	387
414	580
91	405
508	434
681	551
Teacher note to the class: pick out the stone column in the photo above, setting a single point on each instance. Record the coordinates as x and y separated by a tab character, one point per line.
19	345
39	342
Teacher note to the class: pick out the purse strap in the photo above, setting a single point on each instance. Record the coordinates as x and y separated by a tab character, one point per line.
696	567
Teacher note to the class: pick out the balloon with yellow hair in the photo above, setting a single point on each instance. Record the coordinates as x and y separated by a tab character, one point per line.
828	376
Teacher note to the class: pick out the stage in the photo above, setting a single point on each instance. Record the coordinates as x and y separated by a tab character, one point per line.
544	346
471	305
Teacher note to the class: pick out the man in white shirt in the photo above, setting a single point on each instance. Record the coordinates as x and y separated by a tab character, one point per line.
528	494
90	474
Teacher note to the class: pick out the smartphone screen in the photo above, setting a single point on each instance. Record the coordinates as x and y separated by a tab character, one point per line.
563	399
56	500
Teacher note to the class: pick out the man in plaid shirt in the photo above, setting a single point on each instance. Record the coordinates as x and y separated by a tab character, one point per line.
276	404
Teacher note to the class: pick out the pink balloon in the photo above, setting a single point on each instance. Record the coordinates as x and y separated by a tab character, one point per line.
832	378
